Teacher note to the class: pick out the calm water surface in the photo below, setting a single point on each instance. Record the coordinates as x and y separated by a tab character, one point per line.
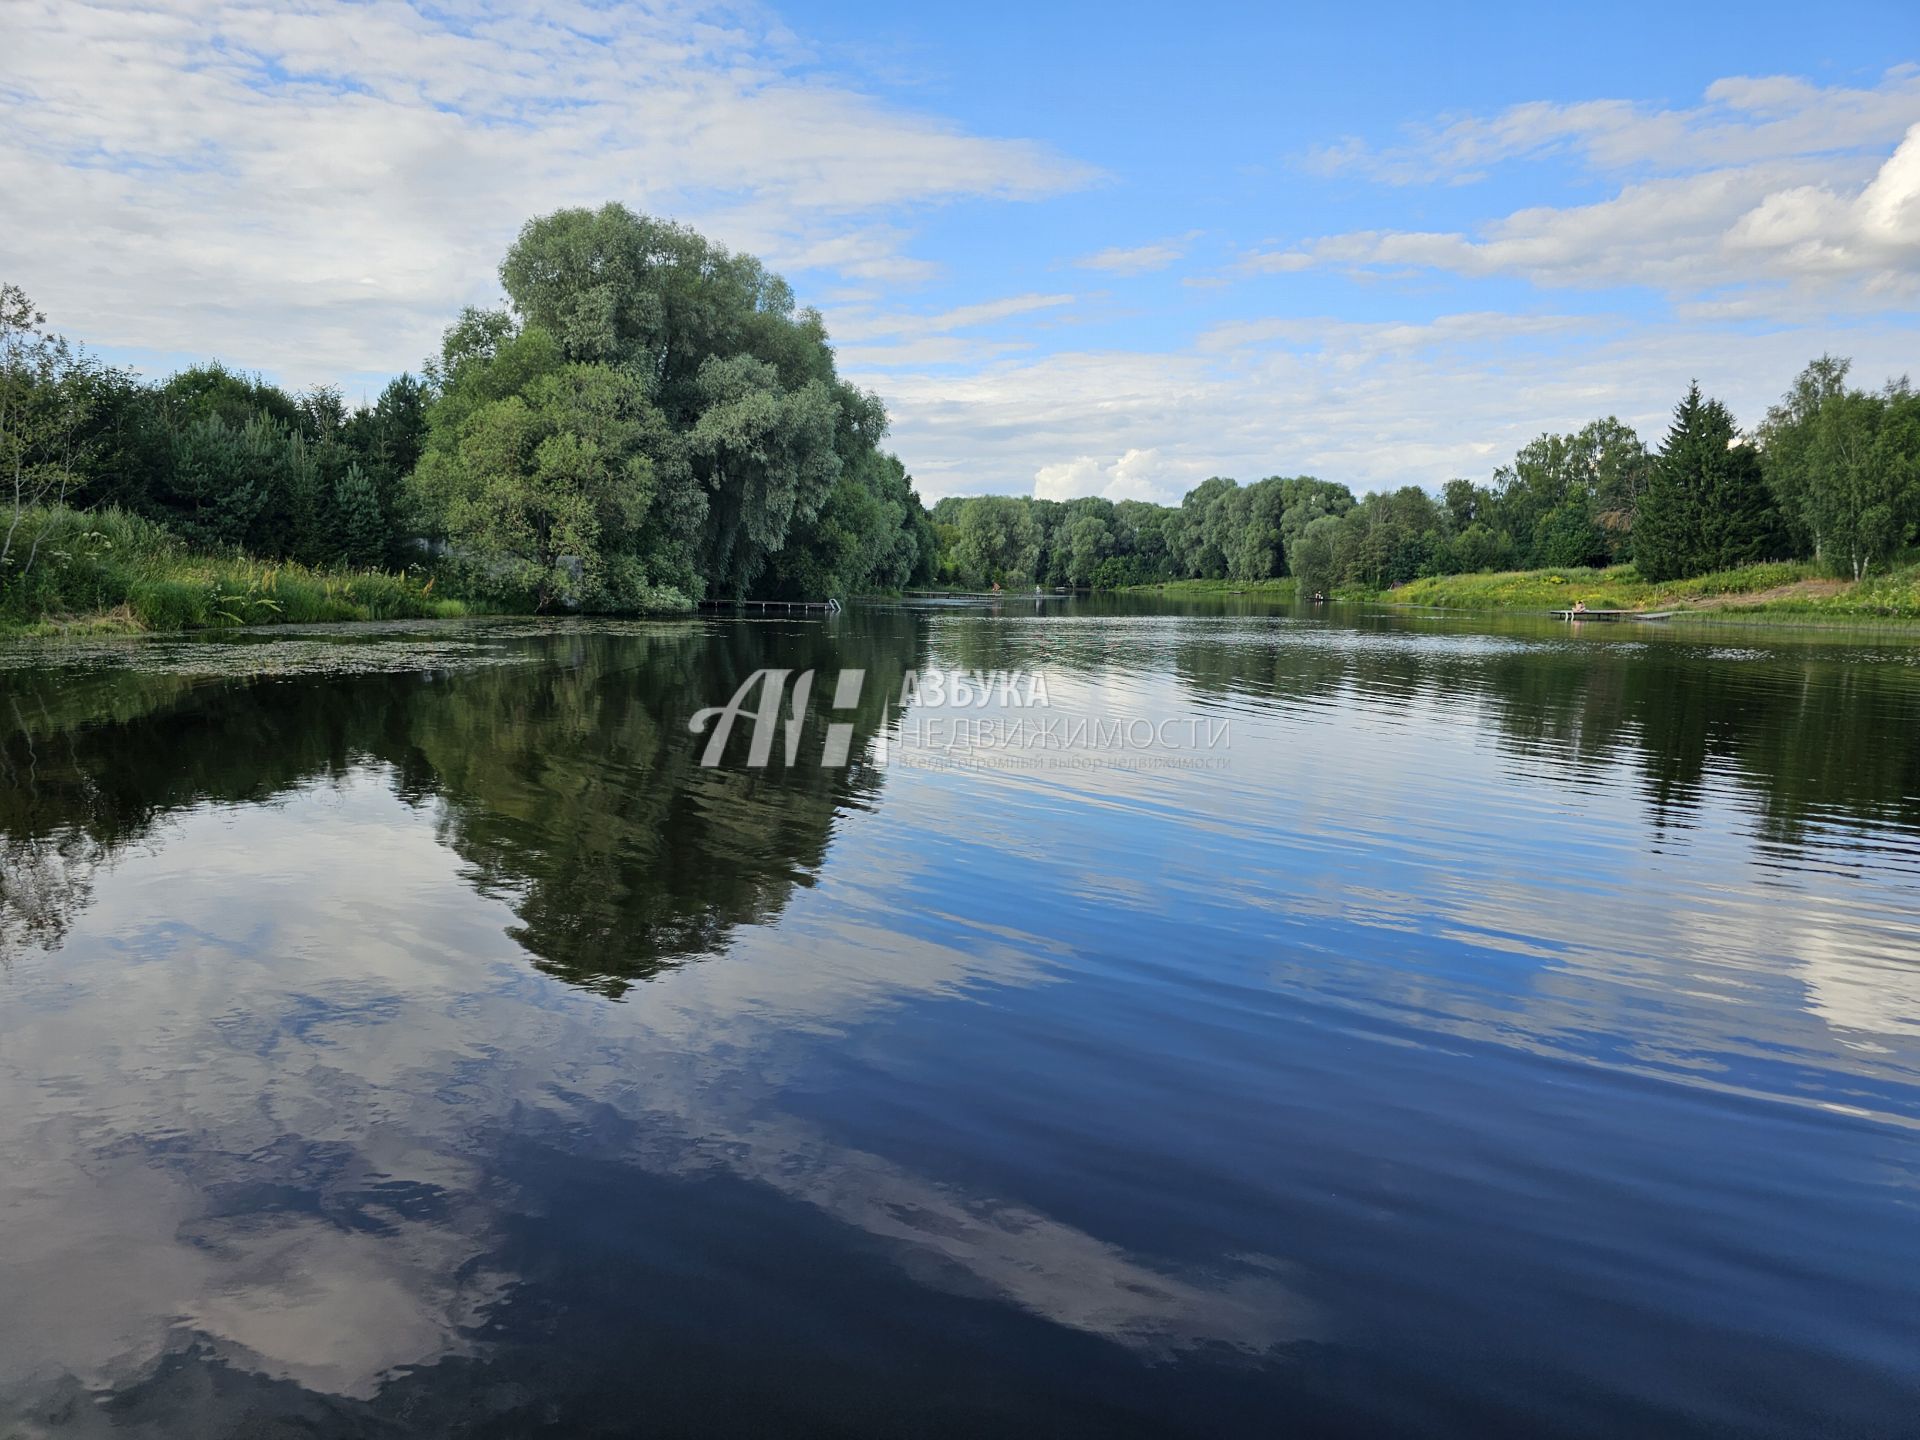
1501	1031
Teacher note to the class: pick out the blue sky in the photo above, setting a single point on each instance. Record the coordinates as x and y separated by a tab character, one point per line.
1079	248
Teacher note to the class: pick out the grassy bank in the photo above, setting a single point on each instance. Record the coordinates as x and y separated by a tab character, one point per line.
100	572
1775	590
1283	589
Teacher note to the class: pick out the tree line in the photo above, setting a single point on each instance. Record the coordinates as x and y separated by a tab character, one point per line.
648	421
1832	474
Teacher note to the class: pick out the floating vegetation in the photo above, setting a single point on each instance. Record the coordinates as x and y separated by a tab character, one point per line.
353	648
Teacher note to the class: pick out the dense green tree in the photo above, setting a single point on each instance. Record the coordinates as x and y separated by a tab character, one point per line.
997	540
766	456
1313	556
1307	500
1255	546
546	491
1389	538
1566	536
212	389
1478	547
358	532
1465	502
747	439
1786	436
1614	467
46	401
870	534
1846	465
1143	539
1706	506
1196	539
252	486
1091	541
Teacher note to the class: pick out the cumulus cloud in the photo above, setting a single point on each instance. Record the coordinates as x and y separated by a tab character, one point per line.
1136	475
1848	230
1813	228
317	186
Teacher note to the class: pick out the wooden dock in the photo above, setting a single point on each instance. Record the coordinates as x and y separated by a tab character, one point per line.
828	606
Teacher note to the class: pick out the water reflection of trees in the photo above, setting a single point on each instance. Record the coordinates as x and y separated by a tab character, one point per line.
571	787
1798	722
1806	731
576	792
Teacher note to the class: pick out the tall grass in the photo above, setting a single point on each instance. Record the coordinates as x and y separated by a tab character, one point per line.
1619	587
106	569
1894	594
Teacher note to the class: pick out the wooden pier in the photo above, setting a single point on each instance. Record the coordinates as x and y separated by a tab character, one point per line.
827	606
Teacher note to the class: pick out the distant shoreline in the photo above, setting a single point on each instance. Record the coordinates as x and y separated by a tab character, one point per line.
1777	593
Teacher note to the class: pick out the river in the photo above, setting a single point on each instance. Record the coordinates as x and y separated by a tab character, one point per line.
1249	1021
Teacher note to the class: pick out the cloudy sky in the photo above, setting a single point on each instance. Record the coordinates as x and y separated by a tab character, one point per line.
1079	248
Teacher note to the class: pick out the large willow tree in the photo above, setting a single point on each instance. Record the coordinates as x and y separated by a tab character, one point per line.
651	421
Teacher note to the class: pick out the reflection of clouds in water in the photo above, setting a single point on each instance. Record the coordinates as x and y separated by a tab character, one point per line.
1562	932
1863	990
181	1103
265	1123
1688	966
1042	1265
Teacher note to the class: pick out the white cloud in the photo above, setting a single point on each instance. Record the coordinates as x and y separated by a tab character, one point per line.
1138	259
1742	120
864	325
1848	230
317	187
1136	475
1375	405
1814	229
867	337
873	253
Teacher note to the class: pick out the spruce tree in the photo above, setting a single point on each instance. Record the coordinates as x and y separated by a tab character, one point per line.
359	529
1707	506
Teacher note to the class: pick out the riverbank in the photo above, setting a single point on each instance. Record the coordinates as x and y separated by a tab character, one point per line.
1283	589
1774	591
109	573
